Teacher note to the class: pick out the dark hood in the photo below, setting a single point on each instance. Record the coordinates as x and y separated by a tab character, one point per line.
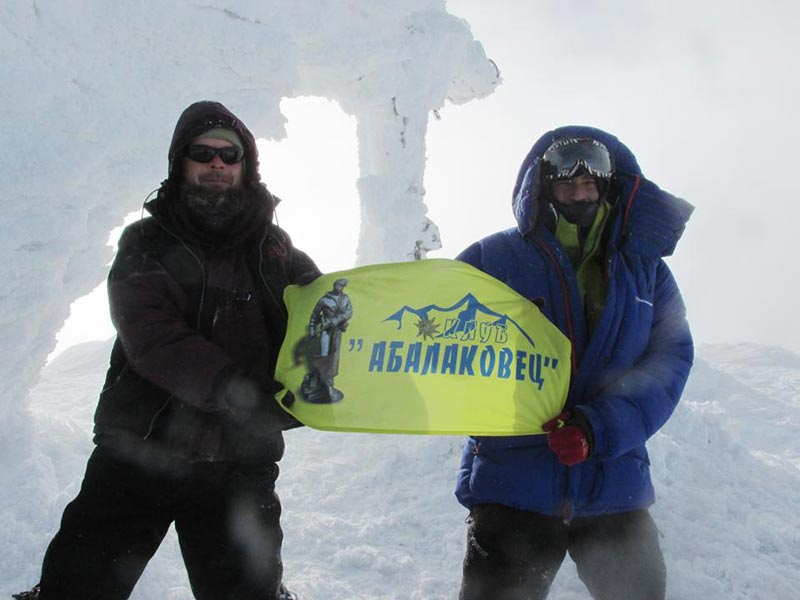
527	187
196	119
203	116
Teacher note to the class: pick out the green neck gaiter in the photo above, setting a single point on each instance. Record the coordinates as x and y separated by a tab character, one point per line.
586	257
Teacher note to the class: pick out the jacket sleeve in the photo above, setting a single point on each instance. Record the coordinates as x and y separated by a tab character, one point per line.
302	269
147	309
472	256
640	402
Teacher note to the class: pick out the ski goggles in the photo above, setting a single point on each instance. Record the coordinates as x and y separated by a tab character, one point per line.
566	157
201	153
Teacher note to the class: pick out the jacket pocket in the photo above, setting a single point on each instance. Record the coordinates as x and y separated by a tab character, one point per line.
619	484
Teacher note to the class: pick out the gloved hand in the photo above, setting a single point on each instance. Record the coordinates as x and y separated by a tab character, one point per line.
242	397
252	406
239	396
569	435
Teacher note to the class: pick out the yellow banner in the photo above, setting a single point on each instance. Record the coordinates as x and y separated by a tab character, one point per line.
432	347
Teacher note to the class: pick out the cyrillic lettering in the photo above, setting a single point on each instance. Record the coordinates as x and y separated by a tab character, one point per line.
535	369
519	371
450	359
467	357
506	357
395	361
412	358
431	359
378	354
487	361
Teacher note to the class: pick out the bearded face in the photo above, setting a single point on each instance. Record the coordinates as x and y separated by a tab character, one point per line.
210	210
211	189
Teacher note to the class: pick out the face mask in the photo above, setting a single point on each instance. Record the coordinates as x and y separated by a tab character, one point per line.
579	213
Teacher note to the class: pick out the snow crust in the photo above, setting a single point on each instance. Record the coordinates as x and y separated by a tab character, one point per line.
374	517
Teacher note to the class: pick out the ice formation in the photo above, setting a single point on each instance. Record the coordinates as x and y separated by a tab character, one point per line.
89	94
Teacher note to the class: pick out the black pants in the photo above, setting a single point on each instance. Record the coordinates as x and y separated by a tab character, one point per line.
226	516
515	555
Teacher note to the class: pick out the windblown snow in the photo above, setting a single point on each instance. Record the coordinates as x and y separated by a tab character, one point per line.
89	93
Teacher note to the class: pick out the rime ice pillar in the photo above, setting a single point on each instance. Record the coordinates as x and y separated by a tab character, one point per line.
91	96
436	59
394	67
394	225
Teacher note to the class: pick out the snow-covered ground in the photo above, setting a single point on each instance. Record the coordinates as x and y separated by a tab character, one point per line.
373	517
87	101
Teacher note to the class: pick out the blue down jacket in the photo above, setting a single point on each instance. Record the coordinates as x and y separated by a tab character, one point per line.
626	379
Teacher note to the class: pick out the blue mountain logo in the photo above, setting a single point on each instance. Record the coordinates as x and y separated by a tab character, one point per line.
464	325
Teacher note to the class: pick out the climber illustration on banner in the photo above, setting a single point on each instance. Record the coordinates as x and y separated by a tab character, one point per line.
429	347
321	348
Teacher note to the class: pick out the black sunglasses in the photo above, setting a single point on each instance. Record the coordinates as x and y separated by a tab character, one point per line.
201	153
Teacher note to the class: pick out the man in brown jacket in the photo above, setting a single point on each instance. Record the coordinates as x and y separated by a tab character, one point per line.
187	430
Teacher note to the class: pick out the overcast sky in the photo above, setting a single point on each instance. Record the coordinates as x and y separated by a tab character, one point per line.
705	98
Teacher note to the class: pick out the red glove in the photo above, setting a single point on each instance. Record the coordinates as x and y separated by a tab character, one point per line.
568	437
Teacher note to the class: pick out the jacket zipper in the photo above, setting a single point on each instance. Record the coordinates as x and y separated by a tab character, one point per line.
278	304
199	312
567	302
566	508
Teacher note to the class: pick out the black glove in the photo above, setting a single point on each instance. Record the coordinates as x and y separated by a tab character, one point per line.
248	403
242	397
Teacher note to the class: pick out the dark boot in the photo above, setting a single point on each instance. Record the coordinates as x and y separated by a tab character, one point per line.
29	595
284	594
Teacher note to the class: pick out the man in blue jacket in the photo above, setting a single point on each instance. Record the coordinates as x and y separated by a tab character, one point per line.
588	251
